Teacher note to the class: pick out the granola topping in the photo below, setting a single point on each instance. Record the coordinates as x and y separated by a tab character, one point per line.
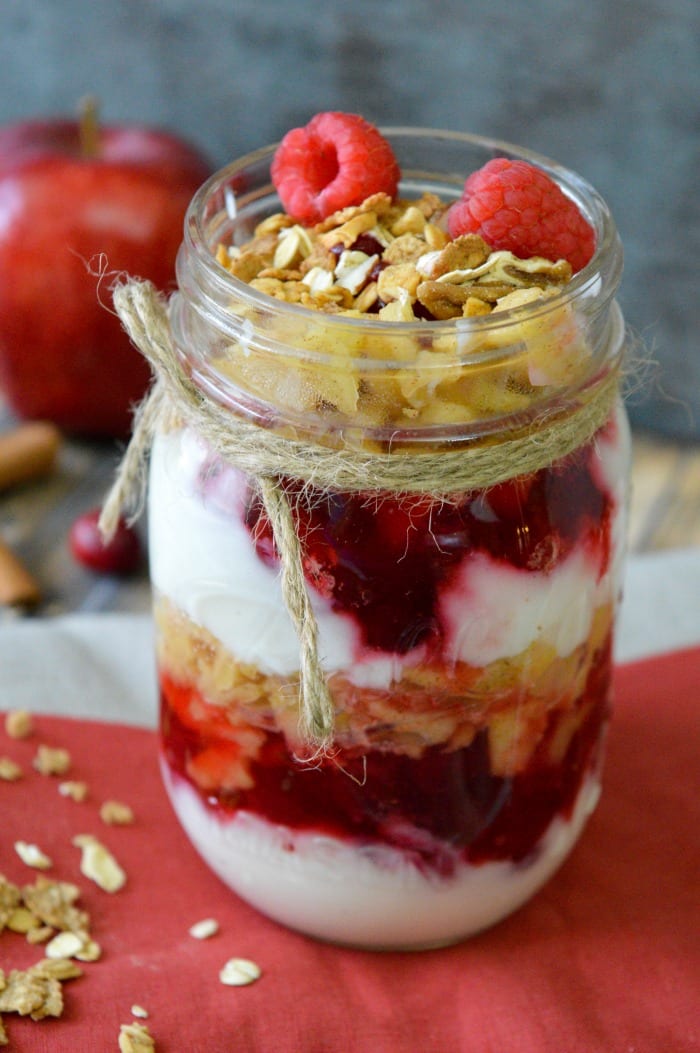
395	262
328	267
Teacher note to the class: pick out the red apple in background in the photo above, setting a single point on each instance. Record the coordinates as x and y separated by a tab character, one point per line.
78	205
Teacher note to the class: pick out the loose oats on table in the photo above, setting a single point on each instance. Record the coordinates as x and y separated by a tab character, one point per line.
10	770
33	856
116	813
98	863
73	788
19	724
135	1038
52	760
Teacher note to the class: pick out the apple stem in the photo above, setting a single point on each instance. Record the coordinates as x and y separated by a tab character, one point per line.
89	126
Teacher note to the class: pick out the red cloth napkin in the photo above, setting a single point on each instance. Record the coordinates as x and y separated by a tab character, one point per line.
606	958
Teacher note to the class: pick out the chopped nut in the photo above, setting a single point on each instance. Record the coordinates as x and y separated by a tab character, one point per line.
98	864
135	1038
74	789
435	237
400	310
32	855
19	724
237	972
115	813
348	233
202	930
443	300
10	771
412	221
379	204
50	760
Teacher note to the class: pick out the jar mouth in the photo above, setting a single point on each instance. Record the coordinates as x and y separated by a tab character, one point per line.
214	310
225	208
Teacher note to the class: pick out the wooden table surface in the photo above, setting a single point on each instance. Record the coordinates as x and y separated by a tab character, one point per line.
35	518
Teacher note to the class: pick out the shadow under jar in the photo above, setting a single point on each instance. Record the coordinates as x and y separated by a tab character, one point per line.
465	610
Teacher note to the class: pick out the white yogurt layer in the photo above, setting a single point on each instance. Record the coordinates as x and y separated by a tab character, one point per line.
370	897
203	560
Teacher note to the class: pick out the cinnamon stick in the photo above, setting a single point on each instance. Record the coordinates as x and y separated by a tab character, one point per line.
28	452
17	586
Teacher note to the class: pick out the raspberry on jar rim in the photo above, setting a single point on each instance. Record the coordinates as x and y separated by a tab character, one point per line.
517	207
336	160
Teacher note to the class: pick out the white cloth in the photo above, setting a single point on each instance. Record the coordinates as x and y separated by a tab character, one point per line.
101	666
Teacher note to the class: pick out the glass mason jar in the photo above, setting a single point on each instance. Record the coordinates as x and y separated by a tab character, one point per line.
463	579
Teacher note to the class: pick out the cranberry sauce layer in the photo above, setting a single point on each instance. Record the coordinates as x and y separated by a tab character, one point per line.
438	809
384	563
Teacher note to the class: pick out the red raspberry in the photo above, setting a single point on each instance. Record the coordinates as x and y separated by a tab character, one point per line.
337	160
518	207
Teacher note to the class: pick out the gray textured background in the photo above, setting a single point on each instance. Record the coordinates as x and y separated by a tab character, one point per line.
610	89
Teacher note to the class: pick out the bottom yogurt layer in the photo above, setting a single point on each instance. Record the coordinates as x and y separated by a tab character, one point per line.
371	896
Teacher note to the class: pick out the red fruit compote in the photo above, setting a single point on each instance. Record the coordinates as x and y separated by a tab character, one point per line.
465	630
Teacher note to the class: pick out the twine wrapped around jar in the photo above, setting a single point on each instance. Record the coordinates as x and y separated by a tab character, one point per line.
268	457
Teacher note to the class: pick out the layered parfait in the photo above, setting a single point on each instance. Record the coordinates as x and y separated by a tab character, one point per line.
466	637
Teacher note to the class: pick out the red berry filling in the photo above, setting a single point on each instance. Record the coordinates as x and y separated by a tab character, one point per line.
337	160
515	206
